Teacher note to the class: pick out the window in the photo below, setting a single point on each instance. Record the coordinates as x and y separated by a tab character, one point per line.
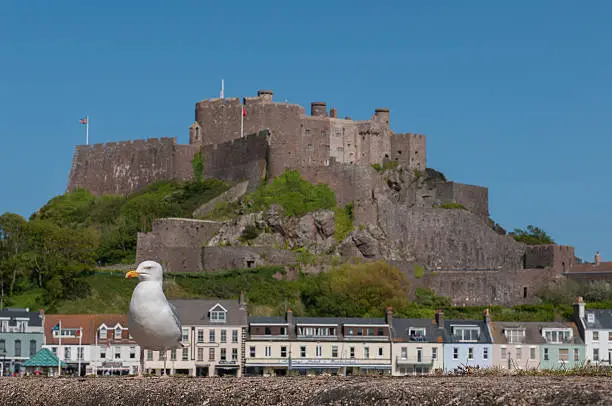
323	133
186	335
610	336
185	354
283	331
32	347
18	348
223	336
66	352
466	333
485	353
335	351
380	351
359	331
200	335
434	353
590	318
504	354
532	353
416	333
318	351
370	331
234	336
514	335
563	354
545	354
350	331
557	336
117	352
200	354
211	354
54	350
102	352
234	354
595	354
404	353
576	354
268	331
307	132
117	333
470	353
303	351
80	353
352	352
173	355
103	332
268	351
223	356
211	336
518	353
595	335
309	147
149	355
380	331
366	352
419	355
2	346
455	353
252	351
283	352
217	316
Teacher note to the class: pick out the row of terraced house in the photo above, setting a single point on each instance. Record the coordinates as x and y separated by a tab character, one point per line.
223	340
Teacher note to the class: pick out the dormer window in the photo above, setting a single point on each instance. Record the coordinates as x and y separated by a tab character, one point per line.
557	335
117	332
514	335
590	318
416	333
218	314
103	332
466	333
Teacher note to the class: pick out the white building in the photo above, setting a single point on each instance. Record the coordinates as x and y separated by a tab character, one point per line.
595	327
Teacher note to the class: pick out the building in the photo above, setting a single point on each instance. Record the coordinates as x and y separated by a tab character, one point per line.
21	337
335	345
516	345
468	344
417	347
595	327
92	343
563	348
214	331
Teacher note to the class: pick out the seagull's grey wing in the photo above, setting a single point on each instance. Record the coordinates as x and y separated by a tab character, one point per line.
176	317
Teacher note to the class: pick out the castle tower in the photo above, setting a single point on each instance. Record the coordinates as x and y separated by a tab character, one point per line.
195	133
318	109
381	115
265	95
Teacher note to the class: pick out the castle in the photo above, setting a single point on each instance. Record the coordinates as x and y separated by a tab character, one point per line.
398	214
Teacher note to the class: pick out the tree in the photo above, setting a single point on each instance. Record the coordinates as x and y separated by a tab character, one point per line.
13	243
532	236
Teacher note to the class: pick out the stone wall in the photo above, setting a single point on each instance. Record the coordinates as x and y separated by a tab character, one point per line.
229	196
124	167
176	243
225	258
242	159
474	198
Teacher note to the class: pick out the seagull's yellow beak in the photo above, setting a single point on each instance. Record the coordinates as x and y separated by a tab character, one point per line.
132	274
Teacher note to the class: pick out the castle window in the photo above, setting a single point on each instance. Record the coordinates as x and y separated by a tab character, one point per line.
524	292
307	132
309	147
338	132
399	152
323	133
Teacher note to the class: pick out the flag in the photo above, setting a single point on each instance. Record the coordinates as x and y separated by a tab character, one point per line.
78	333
243	112
84	120
56	327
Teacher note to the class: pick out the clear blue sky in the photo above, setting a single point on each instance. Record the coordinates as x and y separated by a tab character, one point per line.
514	96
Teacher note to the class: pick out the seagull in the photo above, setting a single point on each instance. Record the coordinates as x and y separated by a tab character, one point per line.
152	320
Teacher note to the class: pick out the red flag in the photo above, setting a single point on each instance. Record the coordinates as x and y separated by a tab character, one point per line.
84	120
243	112
78	333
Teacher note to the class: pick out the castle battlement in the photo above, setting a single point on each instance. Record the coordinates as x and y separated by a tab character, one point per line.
114	144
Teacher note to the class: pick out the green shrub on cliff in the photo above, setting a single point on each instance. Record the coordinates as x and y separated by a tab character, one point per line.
451	206
343	217
295	195
532	235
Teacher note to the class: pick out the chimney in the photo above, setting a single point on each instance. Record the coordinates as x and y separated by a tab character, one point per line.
333	113
318	109
289	319
389	316
579	309
440	318
265	95
487	316
241	301
597	258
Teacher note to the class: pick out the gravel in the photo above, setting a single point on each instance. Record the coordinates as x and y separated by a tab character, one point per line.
296	391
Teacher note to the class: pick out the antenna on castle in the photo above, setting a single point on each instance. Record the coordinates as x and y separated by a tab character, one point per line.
222	89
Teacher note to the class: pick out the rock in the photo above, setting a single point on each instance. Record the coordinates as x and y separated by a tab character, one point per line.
366	244
325	222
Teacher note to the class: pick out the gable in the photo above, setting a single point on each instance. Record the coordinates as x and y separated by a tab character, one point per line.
218	308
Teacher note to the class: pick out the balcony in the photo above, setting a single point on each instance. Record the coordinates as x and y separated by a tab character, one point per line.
316	337
270	337
399	360
318	362
366	338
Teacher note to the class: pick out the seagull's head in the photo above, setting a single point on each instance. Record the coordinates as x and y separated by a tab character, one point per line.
147	271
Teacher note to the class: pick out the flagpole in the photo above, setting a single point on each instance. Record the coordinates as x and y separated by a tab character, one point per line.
59	351
241	120
222	89
86	130
80	348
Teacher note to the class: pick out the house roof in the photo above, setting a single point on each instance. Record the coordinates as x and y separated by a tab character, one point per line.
34	318
433	334
195	312
483	338
267	320
90	324
339	321
603	319
533	331
43	358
